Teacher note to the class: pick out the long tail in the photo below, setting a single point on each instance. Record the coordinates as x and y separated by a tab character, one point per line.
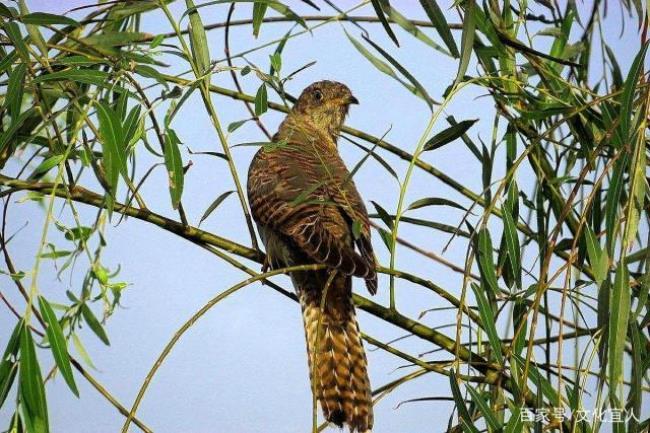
337	361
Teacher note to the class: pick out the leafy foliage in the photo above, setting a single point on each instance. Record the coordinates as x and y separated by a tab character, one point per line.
556	250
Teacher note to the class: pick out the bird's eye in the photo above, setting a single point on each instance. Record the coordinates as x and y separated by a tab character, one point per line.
318	95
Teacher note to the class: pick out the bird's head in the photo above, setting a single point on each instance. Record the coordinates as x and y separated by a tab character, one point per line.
325	104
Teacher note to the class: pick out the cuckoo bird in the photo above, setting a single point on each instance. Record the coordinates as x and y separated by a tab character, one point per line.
308	211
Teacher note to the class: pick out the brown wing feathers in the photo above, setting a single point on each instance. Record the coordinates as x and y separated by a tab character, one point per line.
305	206
316	222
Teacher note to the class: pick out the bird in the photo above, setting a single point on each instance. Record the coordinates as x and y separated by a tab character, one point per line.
308	211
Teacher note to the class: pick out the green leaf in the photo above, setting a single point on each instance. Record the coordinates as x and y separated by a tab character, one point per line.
614	193
387	238
55	254
149	72
198	40
595	254
13	32
438	20
7	12
273	4
261	103
78	233
416	88
85	76
386	69
635	396
31	389
489	322
488	414
434	201
619	308
81	350
94	324
379	159
48	164
560	42
42	18
448	135
156	41
33	31
356	229
276	62
232	127
376	4
547	389
617	77
486	261
8	363
642	297
113	148
305	194
411	28
58	344
463	414
435	225
284	10
377	63
637	191
385	216
78	60
276	57
214	205
124	10
10	134
100	273
15	91
514	424
467	41
259	10
512	243
174	165
627	98
7	61
106	41
133	126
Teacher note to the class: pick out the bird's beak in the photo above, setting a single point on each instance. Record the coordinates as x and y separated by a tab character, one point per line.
352	100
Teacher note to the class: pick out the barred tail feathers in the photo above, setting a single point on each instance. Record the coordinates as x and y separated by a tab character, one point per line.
337	361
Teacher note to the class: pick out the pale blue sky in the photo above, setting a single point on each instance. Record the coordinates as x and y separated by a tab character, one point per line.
242	368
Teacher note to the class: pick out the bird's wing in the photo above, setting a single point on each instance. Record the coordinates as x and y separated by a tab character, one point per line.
301	189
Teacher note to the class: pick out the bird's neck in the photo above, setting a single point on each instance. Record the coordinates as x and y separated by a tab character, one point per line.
324	129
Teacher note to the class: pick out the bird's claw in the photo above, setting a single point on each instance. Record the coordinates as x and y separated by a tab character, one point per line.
266	265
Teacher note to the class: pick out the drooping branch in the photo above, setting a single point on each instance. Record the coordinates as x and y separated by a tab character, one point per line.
493	373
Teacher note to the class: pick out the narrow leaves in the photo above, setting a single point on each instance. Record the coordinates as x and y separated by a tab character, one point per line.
58	344
376	4
198	40
261	102
438	20
174	165
31	388
259	9
489	322
448	135
467	41
214	205
486	261
113	148
94	324
619	307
